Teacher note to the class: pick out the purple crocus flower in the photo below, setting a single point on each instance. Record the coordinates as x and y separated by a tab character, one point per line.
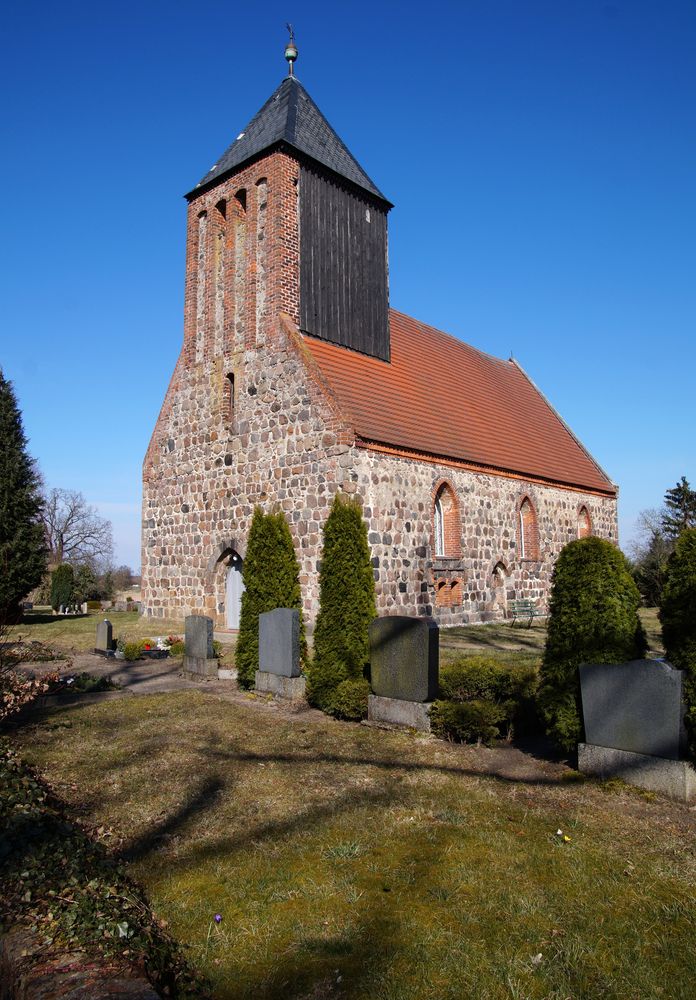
218	918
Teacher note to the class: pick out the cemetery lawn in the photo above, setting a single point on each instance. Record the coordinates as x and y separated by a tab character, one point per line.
76	634
350	862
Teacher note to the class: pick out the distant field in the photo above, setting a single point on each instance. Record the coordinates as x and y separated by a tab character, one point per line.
77	634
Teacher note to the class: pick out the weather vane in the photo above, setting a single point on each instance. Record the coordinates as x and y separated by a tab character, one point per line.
291	50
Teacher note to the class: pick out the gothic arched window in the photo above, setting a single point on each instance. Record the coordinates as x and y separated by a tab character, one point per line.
446	530
584	523
528	531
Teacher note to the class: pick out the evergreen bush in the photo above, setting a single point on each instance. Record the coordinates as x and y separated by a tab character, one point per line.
349	700
593	618
346	604
481	698
22	545
133	650
678	617
271	580
466	721
62	586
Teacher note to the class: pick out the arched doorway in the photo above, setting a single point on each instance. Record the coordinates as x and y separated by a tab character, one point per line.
234	588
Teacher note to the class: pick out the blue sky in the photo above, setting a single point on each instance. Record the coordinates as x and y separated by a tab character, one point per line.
541	155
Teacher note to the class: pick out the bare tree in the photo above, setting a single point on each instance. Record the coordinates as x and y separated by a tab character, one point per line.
75	532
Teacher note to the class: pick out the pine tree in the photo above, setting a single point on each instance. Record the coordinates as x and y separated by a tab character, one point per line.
346	604
593	619
680	512
22	546
271	579
678	617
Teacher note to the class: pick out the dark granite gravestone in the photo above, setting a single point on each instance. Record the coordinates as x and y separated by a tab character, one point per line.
279	642
404	658
634	726
634	706
199	657
279	671
105	641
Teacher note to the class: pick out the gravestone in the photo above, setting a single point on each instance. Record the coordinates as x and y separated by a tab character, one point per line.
199	657
404	670
105	640
279	654
634	725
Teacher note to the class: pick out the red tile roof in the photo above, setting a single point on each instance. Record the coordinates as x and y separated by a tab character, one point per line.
441	397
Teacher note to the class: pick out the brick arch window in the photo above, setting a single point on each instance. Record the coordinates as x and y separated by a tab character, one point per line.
442	593
528	531
584	523
446	531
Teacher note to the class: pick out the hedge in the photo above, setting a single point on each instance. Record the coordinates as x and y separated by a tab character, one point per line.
482	698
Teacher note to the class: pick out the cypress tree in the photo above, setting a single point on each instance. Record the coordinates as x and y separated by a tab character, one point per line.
271	579
678	617
22	545
62	586
346	604
593	619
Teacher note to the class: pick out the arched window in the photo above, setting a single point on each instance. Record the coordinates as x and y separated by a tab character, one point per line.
446	532
584	523
442	594
528	531
439	528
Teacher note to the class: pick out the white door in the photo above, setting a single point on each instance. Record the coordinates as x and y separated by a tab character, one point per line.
233	593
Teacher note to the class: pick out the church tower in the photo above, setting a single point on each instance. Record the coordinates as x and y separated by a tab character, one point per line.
286	221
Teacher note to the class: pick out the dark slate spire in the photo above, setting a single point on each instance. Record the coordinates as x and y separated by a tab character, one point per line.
291	118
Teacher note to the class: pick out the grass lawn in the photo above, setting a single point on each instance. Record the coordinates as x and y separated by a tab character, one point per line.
352	862
77	634
518	643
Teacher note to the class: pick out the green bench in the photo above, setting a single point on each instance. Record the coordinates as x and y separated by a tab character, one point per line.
524	609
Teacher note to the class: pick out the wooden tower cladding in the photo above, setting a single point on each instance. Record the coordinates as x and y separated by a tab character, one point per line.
344	294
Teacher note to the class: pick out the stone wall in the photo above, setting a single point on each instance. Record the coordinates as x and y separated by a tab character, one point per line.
399	495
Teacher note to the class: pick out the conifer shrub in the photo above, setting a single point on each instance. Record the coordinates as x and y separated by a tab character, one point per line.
593	618
349	700
467	721
133	650
271	576
346	604
482	698
62	586
678	617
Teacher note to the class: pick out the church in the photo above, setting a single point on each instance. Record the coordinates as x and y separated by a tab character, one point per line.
297	381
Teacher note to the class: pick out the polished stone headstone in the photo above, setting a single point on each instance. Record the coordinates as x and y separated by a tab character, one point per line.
105	640
199	657
404	658
636	706
279	642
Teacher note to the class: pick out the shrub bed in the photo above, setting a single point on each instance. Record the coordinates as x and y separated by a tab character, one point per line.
62	884
482	698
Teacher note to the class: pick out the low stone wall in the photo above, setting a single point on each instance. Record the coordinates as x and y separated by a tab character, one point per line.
28	973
